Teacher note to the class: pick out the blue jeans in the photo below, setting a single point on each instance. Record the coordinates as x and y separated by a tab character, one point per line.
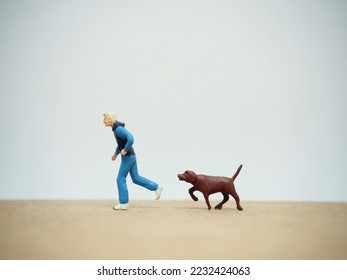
129	164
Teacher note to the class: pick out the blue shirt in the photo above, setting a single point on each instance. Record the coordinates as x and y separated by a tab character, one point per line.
124	138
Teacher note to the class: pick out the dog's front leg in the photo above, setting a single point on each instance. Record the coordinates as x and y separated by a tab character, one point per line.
207	201
191	191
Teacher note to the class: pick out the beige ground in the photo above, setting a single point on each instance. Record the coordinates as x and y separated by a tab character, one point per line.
172	230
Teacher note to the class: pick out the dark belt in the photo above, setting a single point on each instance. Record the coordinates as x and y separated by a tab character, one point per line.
131	152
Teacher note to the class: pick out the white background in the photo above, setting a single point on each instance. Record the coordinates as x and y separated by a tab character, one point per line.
260	269
202	85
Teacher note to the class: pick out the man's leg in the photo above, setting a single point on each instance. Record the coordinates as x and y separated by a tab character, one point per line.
126	164
139	180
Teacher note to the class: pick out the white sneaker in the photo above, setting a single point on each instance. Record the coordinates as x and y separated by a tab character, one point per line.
121	207
158	192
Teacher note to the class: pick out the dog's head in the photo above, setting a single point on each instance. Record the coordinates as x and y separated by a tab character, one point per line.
188	176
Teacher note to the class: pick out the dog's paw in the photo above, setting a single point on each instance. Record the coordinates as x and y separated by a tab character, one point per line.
218	207
195	198
240	208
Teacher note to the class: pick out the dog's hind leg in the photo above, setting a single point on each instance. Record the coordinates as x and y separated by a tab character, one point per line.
191	191
225	199
237	199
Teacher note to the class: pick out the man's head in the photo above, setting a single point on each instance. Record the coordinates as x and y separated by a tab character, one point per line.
109	118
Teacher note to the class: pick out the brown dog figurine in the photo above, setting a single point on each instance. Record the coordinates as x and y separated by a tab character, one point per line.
210	185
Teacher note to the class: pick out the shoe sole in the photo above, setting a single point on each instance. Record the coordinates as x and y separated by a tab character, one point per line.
158	195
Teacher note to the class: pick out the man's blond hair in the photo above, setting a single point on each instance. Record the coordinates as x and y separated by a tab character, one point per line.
110	115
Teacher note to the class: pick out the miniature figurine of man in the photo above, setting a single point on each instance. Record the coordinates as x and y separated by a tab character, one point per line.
128	164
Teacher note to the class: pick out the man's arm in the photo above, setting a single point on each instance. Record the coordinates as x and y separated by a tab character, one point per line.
114	156
124	134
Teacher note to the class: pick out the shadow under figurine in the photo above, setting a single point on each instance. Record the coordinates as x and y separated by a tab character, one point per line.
212	184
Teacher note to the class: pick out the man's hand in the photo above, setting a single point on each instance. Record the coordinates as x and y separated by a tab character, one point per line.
123	152
114	157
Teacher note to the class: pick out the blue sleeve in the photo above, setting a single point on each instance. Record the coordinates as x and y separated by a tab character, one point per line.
124	134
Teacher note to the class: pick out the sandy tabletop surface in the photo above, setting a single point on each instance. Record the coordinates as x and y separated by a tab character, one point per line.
180	230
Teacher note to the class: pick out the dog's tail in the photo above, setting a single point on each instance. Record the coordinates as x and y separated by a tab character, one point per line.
236	173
